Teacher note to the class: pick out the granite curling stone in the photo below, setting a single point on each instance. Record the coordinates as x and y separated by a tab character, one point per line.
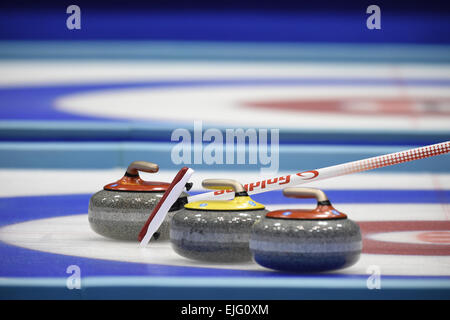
216	230
121	209
295	240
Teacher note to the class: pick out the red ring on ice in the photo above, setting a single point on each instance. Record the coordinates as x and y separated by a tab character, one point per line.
369	228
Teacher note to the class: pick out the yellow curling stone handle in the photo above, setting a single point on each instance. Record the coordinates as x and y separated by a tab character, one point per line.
221	184
240	202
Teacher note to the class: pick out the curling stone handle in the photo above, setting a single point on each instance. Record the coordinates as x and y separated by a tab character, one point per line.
221	184
144	166
307	193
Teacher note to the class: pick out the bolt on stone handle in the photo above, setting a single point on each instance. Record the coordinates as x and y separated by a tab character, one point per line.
307	193
144	166
223	184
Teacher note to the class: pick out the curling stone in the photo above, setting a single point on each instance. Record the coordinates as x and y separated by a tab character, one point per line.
121	209
216	230
296	240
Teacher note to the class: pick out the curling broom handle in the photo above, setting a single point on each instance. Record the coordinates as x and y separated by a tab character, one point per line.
278	183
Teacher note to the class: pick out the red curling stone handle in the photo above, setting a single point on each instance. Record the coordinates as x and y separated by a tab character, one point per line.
305	193
136	166
323	211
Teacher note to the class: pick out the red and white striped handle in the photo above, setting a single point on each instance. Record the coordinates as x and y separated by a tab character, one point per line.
277	183
158	214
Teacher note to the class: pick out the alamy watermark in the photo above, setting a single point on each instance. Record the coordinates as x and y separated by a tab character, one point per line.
374	280
73	22
238	146
74	280
374	20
